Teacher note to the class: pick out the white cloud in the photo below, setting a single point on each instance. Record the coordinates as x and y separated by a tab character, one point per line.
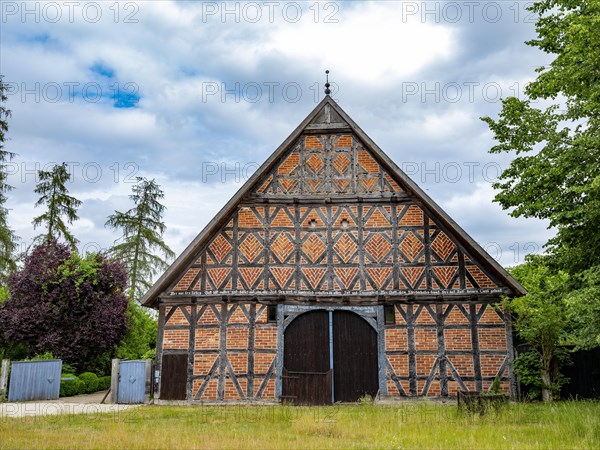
371	43
175	49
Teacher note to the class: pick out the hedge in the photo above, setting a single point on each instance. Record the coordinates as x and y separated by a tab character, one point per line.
91	382
72	387
104	383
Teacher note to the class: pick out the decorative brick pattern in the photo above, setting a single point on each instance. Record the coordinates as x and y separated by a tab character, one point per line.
378	247
345	247
328	164
443	247
250	248
282	247
220	248
267	237
444	276
411	246
176	317
313	248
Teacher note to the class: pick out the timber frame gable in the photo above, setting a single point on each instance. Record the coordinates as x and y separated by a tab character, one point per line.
329	215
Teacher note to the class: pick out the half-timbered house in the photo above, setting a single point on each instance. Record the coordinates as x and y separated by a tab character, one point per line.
331	275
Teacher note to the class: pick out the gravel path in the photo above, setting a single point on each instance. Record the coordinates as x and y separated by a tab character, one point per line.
79	404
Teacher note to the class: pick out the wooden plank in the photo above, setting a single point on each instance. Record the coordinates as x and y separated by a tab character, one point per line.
148	382
334	126
191	350
411	318
114	381
251	346
362	298
473	320
427	249
4	369
223	319
441	342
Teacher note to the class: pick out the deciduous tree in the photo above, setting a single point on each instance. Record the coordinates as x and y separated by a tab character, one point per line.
62	303
541	317
554	135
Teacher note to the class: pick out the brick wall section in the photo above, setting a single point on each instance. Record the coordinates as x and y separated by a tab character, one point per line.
176	340
313	142
246	366
343	141
460	353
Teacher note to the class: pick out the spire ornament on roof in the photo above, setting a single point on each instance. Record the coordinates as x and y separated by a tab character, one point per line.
327	90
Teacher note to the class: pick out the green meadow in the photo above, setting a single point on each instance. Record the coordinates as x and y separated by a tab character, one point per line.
401	425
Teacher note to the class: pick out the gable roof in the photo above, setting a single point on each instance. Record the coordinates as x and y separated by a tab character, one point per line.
327	116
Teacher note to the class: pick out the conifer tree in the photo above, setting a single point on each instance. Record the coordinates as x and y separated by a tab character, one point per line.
142	229
55	196
7	236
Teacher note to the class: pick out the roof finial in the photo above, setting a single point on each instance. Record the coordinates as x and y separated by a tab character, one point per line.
327	90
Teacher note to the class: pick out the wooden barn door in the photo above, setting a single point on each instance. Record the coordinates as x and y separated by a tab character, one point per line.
355	372
306	366
173	377
307	376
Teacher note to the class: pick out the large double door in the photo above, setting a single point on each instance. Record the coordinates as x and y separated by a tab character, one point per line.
329	356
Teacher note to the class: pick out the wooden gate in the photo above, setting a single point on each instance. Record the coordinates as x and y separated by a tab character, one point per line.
173	377
318	370
34	380
354	357
132	382
307	368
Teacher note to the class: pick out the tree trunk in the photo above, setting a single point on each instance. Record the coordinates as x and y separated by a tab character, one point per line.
546	385
546	373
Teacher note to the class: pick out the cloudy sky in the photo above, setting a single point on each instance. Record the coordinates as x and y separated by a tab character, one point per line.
198	94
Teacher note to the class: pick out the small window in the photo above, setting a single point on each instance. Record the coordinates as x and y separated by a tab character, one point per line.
390	316
272	313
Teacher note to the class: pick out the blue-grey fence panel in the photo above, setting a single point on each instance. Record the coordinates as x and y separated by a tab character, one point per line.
34	380
132	382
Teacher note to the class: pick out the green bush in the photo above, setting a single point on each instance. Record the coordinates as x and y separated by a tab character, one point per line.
68	368
104	383
68	388
91	382
46	356
150	354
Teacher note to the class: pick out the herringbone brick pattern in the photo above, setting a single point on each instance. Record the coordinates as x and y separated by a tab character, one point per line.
364	245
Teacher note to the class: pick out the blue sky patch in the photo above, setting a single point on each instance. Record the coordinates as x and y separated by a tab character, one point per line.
103	70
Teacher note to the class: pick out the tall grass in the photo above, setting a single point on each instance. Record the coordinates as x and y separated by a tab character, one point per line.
403	425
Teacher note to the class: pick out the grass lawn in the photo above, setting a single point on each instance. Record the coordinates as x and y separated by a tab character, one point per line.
404	425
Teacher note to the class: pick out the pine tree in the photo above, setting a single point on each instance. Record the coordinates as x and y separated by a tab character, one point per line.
7	236
142	230
55	195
